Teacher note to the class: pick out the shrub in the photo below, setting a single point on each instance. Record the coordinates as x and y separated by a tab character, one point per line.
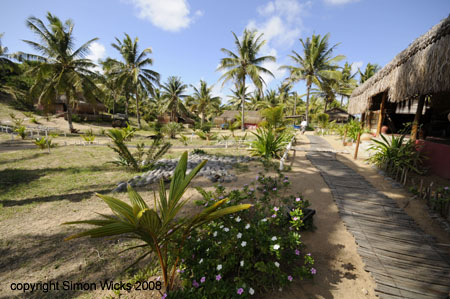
142	160
44	143
256	250
395	154
268	143
89	137
21	131
197	151
353	128
207	135
172	129
184	139
274	118
160	228
322	120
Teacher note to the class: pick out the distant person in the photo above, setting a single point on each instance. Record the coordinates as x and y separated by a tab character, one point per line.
303	126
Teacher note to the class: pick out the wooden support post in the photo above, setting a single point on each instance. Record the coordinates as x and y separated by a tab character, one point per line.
380	117
345	137
363	118
415	125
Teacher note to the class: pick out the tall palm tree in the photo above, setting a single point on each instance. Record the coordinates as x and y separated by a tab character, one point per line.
173	91
370	70
202	99
133	72
62	70
314	65
347	82
239	93
245	63
271	99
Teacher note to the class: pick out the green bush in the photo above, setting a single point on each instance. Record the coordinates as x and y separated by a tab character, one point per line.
268	143
172	129
44	143
395	154
207	135
160	228
184	139
89	136
255	251
21	131
142	160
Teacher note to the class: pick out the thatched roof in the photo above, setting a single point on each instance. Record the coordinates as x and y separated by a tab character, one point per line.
251	117
421	69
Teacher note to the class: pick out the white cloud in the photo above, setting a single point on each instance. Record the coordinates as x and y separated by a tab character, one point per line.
339	2
170	15
97	51
355	66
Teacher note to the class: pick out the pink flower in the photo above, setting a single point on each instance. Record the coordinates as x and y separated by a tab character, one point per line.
290	278
274	189
218	277
203	279
276	209
295	218
164	296
313	271
298	199
195	284
297	252
274	215
240	291
308	254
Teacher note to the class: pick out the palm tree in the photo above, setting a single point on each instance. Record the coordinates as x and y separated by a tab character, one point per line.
132	72
62	70
173	93
315	65
245	63
238	94
347	82
202	100
370	70
5	62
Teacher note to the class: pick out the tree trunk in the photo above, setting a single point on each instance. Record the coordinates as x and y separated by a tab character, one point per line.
126	104
69	113
114	103
380	117
307	104
342	101
137	109
203	119
326	105
242	105
415	125
295	105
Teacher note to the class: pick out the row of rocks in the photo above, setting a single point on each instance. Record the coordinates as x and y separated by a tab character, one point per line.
216	170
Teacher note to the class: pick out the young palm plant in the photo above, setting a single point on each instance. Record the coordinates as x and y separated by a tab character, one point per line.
161	228
268	143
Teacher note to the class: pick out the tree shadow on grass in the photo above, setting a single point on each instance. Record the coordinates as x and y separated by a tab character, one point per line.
47	257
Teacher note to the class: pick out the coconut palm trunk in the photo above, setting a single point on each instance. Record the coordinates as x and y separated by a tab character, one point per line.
69	113
243	106
307	103
138	115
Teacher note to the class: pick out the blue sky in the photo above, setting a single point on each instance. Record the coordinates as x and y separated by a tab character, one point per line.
186	35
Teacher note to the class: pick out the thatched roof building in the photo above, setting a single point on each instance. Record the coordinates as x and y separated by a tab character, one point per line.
421	69
338	115
250	117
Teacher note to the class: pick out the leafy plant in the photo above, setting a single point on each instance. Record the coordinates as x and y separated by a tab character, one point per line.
184	139
395	153
17	121
197	151
44	143
252	252
207	135
274	118
172	129
142	160
161	228
129	132
34	120
21	131
354	128
268	143
89	136
322	120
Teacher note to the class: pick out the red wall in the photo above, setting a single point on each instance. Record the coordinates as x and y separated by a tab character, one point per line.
438	157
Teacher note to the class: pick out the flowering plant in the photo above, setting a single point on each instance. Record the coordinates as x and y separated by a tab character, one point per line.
250	252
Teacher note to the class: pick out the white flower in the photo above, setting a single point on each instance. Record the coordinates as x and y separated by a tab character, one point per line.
243	244
221	226
251	291
242	263
219	267
277	264
226	229
238	219
215	234
276	247
264	220
208	249
274	238
280	290
239	235
201	261
247	226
